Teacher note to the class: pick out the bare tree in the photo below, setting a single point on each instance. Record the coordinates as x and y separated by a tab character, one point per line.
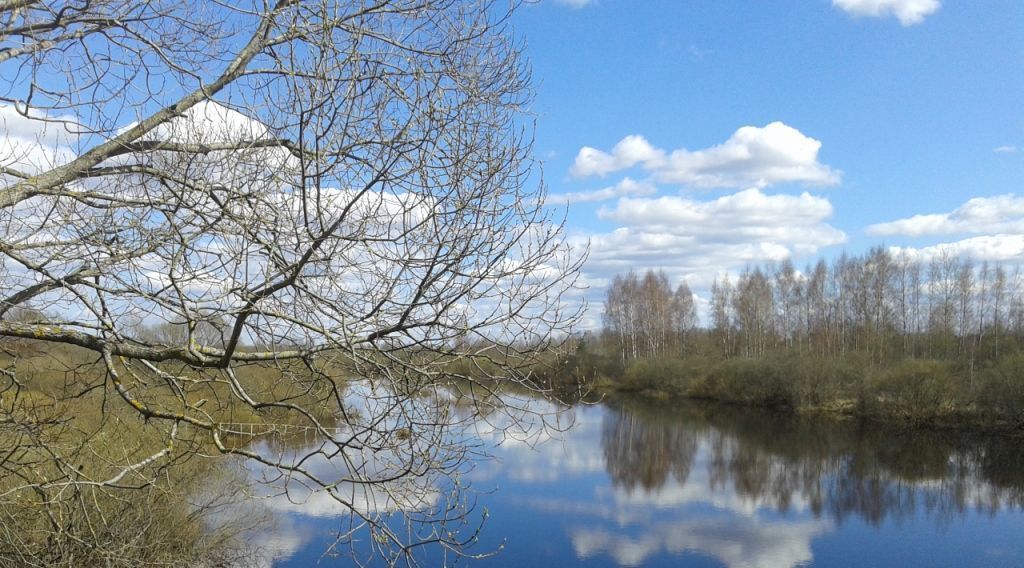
656	312
816	308
964	287
879	290
906	288
754	305
684	316
942	278
296	193
644	314
788	291
722	313
621	314
998	295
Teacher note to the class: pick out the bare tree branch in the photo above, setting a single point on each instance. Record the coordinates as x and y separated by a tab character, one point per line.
304	216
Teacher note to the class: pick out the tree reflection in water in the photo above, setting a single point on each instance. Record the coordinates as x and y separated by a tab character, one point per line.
837	469
643	448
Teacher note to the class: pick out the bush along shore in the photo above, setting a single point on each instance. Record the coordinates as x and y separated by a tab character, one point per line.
921	392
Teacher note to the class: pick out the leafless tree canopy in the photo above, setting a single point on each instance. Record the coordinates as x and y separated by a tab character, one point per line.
648	319
887	305
233	208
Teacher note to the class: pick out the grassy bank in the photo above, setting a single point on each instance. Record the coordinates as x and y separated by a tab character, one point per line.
77	485
918	391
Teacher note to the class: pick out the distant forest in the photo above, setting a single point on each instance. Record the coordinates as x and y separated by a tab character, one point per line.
880	332
888	306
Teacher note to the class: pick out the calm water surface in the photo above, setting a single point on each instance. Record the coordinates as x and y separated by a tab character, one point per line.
639	484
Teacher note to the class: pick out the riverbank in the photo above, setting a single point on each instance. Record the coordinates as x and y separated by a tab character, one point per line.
918	392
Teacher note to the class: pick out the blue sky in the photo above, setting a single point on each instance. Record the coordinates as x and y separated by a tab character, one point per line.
703	137
909	100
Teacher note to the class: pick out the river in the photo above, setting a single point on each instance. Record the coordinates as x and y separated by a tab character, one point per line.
633	483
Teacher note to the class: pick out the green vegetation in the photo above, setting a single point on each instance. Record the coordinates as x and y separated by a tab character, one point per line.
107	502
920	391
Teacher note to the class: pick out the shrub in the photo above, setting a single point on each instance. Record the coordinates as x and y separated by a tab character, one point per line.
915	388
819	381
667	376
1000	389
751	381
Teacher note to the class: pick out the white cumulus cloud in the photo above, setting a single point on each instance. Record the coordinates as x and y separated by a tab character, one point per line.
630	151
993	228
908	12
696	240
979	215
993	248
626	187
752	157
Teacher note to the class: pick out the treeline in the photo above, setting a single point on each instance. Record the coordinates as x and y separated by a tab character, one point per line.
880	332
888	306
